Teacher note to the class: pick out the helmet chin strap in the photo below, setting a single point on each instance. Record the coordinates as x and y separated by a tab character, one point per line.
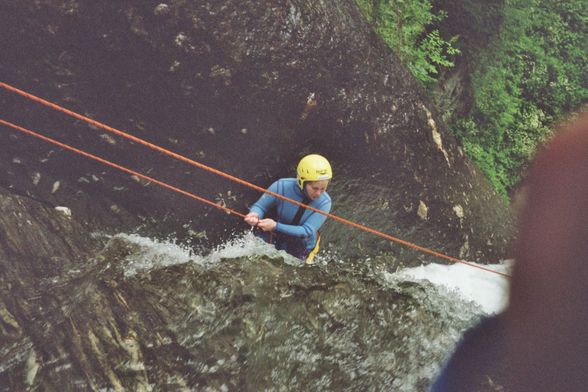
302	186
304	193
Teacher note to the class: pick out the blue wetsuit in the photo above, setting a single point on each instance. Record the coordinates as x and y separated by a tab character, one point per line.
298	240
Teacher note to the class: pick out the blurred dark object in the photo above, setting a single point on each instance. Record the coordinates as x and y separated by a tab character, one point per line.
540	342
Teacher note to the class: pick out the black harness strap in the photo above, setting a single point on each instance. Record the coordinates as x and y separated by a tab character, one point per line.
296	220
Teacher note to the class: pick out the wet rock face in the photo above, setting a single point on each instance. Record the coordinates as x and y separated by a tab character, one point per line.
252	323
246	87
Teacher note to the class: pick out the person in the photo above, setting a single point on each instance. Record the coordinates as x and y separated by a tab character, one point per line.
295	229
539	343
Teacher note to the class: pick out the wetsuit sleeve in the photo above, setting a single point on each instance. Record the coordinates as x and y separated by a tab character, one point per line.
265	202
310	225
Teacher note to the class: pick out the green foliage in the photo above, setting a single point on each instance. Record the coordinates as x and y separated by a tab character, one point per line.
503	156
407	26
533	72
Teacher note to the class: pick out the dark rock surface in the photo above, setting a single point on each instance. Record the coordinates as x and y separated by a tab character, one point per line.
227	83
75	316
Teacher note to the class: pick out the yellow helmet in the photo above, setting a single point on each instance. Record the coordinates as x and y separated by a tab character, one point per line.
313	167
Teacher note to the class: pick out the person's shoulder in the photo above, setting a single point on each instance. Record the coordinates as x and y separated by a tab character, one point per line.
325	199
284	182
288	184
289	181
285	186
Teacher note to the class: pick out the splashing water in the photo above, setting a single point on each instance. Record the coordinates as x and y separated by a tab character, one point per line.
461	295
149	253
489	291
248	245
384	329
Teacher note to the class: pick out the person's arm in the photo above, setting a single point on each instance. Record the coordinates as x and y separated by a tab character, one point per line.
310	226
265	202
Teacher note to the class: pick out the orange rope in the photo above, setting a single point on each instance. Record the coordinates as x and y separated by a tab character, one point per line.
236	179
114	165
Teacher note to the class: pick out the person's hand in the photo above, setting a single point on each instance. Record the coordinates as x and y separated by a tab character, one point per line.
267	224
252	218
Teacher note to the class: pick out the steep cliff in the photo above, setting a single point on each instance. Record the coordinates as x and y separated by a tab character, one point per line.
84	311
247	87
228	83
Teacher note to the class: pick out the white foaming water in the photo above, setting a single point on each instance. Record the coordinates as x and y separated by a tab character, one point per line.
152	253
483	291
488	290
245	246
